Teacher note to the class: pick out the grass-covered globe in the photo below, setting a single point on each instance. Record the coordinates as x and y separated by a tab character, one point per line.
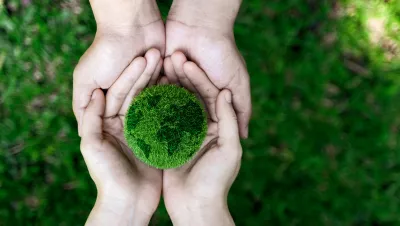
165	126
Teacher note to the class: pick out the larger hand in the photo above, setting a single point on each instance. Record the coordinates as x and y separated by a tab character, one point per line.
125	30
203	31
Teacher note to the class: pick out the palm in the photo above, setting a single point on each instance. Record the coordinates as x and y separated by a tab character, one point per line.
109	55
216	53
174	193
125	171
202	174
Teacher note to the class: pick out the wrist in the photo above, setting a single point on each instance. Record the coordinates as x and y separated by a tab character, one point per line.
125	18
202	213
117	211
216	14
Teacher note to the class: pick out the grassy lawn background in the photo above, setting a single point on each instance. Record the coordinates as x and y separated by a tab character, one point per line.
324	143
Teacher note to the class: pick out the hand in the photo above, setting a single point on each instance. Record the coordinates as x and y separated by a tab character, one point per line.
128	190
197	192
204	32
125	29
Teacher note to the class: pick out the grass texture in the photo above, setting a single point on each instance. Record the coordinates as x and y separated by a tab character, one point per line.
165	126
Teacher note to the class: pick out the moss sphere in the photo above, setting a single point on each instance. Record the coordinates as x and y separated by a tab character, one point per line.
165	126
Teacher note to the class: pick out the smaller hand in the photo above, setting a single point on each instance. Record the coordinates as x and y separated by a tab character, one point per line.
197	192
128	190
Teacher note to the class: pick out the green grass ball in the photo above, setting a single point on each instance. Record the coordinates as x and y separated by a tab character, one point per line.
165	126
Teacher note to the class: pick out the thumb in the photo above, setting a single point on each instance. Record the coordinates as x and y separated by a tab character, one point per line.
92	123
228	131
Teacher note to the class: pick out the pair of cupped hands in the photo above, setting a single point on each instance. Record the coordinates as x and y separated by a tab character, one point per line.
132	50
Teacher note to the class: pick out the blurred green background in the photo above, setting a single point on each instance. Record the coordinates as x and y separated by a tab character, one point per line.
324	136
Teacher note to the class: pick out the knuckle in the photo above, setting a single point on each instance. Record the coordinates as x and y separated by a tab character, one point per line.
117	95
232	116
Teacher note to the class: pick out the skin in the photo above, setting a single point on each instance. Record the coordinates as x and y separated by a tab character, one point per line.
203	32
125	30
196	194
128	190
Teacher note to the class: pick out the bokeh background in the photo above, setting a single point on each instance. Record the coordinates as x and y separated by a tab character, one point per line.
324	136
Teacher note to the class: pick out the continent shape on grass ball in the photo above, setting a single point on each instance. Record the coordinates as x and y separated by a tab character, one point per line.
165	126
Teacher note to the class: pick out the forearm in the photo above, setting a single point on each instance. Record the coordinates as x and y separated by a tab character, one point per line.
123	17
117	213
199	215
208	13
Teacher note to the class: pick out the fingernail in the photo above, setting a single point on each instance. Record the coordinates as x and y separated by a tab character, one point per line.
228	97
246	133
